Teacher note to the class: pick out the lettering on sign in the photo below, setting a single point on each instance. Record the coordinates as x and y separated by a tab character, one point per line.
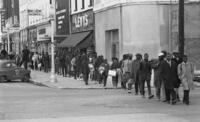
82	21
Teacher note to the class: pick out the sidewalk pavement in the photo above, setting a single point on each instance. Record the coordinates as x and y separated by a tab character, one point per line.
43	79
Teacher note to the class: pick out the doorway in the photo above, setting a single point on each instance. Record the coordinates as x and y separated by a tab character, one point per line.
112	44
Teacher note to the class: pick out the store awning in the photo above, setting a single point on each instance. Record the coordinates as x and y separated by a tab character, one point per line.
87	42
74	39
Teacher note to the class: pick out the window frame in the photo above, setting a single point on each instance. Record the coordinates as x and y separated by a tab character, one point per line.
83	4
76	5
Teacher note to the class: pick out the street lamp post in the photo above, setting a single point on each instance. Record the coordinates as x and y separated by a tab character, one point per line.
51	16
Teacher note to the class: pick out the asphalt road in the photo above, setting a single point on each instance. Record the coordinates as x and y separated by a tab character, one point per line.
27	101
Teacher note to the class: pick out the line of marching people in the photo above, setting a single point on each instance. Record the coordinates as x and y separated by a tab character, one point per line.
170	71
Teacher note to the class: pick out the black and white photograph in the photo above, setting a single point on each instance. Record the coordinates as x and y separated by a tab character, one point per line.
99	60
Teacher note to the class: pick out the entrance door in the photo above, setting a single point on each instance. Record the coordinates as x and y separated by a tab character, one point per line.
112	44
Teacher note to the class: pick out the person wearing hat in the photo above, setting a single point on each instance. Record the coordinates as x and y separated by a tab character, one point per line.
157	79
145	76
169	77
126	70
135	73
186	74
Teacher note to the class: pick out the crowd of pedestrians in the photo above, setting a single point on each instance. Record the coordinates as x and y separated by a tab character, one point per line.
170	71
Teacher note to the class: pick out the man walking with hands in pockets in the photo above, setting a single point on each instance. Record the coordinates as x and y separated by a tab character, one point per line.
186	74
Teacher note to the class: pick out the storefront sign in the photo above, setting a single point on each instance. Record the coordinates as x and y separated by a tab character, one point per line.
62	17
43	32
82	22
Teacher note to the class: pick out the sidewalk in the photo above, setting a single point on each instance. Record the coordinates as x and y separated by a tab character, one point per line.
43	79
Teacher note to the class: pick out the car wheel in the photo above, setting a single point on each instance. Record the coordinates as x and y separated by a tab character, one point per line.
26	78
2	79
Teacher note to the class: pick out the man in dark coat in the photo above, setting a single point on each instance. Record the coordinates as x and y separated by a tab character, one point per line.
135	73
25	57
46	61
85	68
169	76
145	76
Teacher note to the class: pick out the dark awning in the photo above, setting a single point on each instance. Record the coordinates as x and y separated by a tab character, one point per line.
87	42
74	39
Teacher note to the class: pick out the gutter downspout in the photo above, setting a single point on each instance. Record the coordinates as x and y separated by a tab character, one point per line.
121	31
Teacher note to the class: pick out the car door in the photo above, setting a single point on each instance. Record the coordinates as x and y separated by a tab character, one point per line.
10	71
17	71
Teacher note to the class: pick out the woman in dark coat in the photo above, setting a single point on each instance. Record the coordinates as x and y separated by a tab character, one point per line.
115	65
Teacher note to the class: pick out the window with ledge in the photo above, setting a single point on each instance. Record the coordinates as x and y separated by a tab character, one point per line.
76	5
83	4
91	3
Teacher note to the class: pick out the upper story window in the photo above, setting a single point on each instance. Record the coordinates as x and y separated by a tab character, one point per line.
83	4
76	5
91	3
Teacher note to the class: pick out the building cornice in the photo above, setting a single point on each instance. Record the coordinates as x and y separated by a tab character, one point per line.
104	8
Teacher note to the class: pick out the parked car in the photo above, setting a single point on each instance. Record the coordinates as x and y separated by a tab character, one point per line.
197	76
9	72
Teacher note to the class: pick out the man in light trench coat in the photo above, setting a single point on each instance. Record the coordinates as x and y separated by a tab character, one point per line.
186	74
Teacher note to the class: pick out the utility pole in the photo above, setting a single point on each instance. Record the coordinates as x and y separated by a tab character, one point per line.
52	19
181	28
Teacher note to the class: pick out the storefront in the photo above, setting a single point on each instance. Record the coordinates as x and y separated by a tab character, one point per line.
32	36
15	42
43	43
23	38
82	31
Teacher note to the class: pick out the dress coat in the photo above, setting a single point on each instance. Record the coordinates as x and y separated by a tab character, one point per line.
156	69
145	70
186	74
135	70
169	74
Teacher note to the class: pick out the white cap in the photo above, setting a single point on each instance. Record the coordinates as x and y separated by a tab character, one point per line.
160	54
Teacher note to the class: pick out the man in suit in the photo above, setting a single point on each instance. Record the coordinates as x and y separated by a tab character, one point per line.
145	76
169	76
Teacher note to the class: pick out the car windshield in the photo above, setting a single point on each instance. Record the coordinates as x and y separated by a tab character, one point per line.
8	65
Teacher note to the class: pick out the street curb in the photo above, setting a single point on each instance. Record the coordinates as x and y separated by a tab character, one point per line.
37	83
49	86
54	87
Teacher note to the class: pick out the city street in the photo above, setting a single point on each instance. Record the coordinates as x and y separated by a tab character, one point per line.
26	101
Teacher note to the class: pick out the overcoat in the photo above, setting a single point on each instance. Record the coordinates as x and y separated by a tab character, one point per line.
169	74
135	70
186	74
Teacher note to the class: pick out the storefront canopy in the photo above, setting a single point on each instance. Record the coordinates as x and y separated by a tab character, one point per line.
87	42
74	39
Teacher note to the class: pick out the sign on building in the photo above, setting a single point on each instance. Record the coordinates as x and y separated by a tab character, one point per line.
82	21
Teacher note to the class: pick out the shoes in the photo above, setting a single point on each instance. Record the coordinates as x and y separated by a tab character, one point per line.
164	101
136	93
129	91
173	102
187	103
151	96
143	96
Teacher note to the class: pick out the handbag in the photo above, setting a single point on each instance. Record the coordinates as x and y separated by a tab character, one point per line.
112	72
